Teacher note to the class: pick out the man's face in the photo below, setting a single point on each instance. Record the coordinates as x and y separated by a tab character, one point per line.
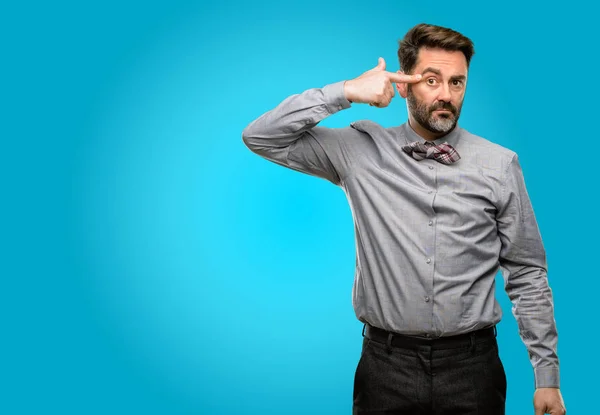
436	101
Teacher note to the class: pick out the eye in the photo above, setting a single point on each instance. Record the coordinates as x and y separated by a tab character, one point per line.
457	82
431	81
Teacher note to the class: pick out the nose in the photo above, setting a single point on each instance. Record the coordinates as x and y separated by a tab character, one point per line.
444	94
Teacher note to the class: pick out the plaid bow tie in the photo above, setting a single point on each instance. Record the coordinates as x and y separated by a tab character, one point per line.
444	153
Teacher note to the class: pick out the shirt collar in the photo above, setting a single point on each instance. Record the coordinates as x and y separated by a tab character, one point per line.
451	138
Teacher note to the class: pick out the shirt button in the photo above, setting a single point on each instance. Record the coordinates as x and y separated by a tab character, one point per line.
428	260
430	167
426	299
430	192
430	222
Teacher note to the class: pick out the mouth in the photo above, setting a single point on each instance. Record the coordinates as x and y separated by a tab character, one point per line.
446	114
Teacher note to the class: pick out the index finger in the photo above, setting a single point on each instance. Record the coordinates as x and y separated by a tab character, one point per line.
401	77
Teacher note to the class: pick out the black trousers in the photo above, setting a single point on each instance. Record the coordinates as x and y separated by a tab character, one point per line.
458	375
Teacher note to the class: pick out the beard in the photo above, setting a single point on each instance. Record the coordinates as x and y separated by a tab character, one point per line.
436	123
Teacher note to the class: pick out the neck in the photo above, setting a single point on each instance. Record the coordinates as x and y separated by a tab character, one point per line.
423	132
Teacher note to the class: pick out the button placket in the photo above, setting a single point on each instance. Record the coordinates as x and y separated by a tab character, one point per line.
428	299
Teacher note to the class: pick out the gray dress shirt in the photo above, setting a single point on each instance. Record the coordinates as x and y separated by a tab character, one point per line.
430	237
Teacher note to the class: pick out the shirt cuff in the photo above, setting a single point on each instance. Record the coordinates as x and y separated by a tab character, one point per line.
334	96
547	377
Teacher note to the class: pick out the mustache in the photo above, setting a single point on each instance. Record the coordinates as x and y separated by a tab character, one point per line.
444	106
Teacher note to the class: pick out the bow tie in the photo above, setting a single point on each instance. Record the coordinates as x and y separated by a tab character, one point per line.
444	153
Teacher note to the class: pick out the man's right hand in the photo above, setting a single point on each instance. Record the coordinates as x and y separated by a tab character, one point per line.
375	86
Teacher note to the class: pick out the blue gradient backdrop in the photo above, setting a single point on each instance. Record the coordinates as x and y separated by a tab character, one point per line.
152	264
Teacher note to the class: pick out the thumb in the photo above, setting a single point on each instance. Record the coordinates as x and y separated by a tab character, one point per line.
380	65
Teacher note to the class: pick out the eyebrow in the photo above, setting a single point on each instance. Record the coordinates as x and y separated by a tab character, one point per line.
430	69
439	73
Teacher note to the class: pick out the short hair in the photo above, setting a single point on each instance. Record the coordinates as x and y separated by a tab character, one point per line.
431	36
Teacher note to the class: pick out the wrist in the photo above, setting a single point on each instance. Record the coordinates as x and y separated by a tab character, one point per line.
348	92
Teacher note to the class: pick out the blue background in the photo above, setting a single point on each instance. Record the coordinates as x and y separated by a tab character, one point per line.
152	264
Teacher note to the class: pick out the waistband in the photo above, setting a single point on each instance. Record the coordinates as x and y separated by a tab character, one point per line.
410	342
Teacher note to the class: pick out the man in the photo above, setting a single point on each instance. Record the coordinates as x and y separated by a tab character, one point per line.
437	211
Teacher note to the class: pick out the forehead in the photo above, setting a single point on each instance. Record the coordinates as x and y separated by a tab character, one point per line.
448	62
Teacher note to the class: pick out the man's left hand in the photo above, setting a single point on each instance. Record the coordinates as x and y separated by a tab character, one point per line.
548	401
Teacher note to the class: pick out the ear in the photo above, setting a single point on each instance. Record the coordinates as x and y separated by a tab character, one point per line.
402	87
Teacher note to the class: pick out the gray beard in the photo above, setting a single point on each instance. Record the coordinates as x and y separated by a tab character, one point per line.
440	124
